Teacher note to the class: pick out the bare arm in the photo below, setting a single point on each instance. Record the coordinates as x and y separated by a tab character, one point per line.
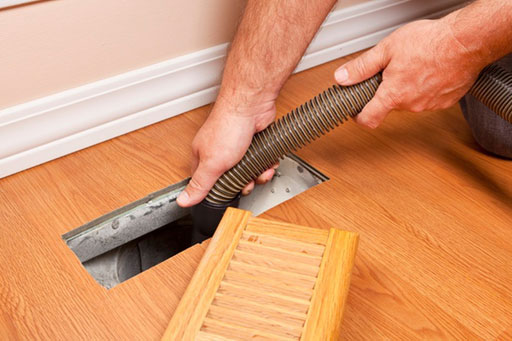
269	43
431	64
484	28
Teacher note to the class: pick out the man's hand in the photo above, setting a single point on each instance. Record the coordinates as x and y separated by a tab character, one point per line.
221	143
431	64
425	68
269	43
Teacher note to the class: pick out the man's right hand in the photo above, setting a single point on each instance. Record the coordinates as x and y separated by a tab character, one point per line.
264	52
221	143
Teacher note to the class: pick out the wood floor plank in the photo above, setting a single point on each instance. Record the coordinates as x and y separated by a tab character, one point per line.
432	210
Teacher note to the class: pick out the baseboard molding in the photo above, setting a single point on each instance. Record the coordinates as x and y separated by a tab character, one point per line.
42	130
12	3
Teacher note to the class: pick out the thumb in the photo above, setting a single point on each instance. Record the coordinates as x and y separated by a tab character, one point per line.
202	181
362	67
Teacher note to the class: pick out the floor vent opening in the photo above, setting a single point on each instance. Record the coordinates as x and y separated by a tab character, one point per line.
130	240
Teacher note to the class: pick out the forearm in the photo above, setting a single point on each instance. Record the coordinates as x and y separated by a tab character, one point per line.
271	39
484	28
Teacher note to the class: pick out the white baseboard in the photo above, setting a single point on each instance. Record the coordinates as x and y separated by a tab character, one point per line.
42	130
10	3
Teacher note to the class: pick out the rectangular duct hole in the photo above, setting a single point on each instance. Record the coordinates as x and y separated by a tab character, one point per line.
132	239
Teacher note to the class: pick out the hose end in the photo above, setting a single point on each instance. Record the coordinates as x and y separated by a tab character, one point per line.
206	217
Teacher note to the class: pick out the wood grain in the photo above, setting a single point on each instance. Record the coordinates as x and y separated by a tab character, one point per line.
298	233
432	210
191	311
266	292
331	290
283	244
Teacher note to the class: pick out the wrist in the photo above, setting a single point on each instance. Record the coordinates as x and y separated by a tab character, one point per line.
245	101
483	29
254	109
467	39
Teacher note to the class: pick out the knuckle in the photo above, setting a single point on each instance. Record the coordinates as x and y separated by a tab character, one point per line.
196	186
417	108
390	99
197	142
386	45
381	51
361	66
448	104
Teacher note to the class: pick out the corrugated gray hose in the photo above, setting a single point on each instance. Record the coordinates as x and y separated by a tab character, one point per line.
327	111
494	89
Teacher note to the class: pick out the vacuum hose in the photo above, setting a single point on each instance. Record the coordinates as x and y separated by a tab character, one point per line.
494	89
317	117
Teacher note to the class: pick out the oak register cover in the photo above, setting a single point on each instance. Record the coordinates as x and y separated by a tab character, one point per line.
265	280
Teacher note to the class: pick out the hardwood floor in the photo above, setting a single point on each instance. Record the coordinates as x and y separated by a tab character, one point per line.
434	215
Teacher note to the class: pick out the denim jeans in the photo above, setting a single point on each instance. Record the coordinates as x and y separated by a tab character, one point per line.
490	131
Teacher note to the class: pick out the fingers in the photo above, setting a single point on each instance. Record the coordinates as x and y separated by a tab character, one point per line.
248	189
265	177
362	67
202	181
376	110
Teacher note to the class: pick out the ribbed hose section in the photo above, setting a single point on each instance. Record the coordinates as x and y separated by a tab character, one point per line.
293	131
325	112
494	89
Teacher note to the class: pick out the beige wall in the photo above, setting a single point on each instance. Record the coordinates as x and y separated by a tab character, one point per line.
51	46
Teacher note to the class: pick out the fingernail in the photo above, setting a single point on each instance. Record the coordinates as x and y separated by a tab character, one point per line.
341	75
183	198
372	124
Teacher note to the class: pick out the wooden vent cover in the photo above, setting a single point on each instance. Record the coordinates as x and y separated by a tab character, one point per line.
264	280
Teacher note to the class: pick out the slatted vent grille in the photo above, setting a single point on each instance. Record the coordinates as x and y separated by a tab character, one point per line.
266	291
265	280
